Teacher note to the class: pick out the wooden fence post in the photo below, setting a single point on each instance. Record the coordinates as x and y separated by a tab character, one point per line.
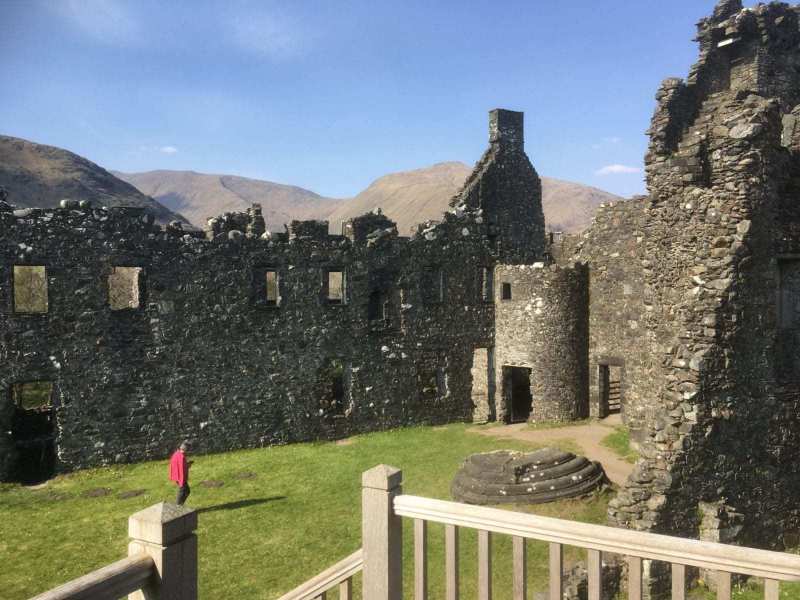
166	532
381	534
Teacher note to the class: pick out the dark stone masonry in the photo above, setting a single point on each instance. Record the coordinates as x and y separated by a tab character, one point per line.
681	310
119	338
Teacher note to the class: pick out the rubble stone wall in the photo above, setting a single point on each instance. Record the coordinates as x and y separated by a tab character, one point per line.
613	248
719	226
215	354
544	327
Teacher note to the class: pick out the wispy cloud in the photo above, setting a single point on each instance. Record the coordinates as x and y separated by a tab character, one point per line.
612	140
168	150
105	21
267	35
617	170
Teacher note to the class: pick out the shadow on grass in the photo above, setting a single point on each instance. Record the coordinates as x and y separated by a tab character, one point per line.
240	504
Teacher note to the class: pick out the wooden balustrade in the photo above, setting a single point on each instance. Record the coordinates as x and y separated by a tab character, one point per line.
161	563
339	575
636	546
113	581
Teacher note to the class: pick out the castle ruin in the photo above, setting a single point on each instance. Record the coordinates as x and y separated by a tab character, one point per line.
682	309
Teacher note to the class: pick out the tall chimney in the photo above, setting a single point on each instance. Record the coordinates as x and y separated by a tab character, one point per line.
506	128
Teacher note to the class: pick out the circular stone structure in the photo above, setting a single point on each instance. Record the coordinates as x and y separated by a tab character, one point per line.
545	475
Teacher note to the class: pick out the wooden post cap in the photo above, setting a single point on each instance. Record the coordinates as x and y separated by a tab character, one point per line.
163	523
382	477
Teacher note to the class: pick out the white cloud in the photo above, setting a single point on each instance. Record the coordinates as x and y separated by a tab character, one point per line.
617	170
266	35
612	140
106	21
168	150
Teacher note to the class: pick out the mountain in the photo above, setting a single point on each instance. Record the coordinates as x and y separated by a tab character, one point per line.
200	196
411	197
408	197
36	175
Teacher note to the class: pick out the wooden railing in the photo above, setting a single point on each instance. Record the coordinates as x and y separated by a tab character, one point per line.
161	563
113	581
383	507
339	575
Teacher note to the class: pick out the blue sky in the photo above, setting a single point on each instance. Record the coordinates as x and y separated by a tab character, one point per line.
330	95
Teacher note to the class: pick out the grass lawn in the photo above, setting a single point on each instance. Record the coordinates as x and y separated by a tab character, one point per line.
620	442
260	536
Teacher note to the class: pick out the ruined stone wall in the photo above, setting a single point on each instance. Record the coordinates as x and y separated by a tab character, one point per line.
506	187
235	340
723	431
613	247
543	326
205	359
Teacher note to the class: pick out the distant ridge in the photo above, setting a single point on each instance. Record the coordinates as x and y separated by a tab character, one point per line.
408	197
36	175
412	197
200	196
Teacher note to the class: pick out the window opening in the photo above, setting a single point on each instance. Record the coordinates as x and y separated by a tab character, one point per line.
30	289
432	285
487	284
335	283
505	291
124	288
271	288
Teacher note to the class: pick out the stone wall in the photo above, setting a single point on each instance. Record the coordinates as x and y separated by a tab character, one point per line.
542	324
241	338
613	248
719	228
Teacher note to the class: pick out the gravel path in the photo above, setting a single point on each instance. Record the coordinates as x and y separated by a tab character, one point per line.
587	436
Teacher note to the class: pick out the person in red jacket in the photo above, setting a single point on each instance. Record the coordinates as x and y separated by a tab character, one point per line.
179	472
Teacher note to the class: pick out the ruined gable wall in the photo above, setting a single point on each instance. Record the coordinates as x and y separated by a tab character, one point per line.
508	191
613	248
723	430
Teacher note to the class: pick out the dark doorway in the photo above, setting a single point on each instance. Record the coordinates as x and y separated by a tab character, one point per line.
33	431
517	382
609	383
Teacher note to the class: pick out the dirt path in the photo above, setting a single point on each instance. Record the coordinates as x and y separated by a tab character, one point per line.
586	436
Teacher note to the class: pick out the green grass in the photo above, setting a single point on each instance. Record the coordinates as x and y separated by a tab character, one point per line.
260	537
620	442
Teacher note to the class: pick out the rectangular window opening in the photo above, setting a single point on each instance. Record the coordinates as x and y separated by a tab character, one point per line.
271	297
124	288
30	289
487	284
505	291
432	285
335	283
33	395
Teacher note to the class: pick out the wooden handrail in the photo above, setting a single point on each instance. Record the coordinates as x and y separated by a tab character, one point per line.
330	577
108	583
706	555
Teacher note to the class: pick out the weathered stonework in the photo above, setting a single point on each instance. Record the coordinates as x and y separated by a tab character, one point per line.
719	395
613	247
543	327
239	338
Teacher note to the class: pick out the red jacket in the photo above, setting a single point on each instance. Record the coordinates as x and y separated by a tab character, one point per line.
178	468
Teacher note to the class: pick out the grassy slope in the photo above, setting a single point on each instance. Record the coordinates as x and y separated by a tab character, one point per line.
620	442
258	537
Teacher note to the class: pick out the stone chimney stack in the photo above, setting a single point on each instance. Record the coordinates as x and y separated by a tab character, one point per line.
506	128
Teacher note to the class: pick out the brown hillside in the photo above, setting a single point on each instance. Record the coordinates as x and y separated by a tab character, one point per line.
36	175
412	197
200	196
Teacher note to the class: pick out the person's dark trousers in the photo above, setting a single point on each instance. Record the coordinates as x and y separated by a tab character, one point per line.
183	493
